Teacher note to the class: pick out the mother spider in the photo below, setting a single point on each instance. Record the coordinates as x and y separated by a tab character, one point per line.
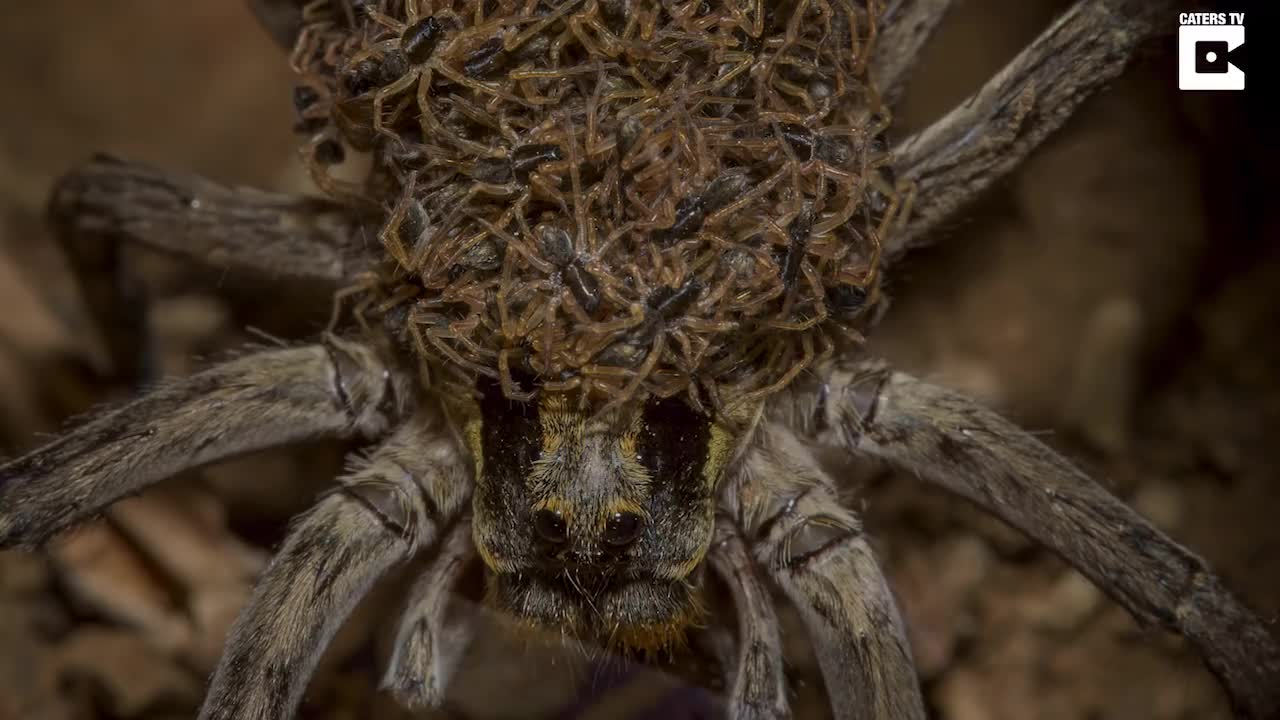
626	251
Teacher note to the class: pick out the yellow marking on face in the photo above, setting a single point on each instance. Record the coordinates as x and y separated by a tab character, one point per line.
471	431
555	505
557	428
627	446
638	482
555	402
564	437
629	451
555	417
686	569
668	636
619	505
552	441
720	444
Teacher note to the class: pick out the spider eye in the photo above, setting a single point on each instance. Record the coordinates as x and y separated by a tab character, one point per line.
550	526
622	529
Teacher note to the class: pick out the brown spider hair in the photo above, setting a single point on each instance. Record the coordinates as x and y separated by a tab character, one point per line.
616	197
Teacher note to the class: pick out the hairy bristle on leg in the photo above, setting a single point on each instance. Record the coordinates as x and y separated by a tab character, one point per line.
954	442
814	549
340	389
952	161
395	503
107	204
107	200
758	689
427	651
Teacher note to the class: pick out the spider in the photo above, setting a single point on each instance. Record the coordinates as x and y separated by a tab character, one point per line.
626	253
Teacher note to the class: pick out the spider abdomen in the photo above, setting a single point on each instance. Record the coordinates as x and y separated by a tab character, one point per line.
724	146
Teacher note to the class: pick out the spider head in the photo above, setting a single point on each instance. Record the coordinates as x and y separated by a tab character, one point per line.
596	527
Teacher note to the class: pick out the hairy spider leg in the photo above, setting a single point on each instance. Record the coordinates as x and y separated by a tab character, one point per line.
427	652
989	134
108	203
815	550
947	439
340	389
757	683
395	502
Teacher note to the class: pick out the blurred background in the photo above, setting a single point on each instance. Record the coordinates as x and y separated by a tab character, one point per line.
1119	295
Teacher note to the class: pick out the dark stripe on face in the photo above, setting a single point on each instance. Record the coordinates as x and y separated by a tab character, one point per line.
510	441
673	448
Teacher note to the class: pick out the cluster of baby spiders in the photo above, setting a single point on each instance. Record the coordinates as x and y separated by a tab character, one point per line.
618	197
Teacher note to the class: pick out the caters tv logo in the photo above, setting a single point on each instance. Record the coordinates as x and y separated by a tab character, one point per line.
1211	51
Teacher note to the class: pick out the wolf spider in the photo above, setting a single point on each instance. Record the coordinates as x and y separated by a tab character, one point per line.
753	503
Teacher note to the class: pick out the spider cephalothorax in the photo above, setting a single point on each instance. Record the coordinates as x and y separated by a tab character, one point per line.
625	248
596	525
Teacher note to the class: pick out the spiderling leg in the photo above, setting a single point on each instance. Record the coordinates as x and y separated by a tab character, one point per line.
758	689
958	444
815	550
987	136
393	504
338	389
426	651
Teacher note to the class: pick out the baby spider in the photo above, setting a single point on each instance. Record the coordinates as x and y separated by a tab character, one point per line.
609	393
414	56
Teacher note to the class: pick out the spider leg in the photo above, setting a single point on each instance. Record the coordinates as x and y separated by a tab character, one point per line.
814	549
984	138
394	503
758	690
905	27
973	452
426	651
109	202
261	400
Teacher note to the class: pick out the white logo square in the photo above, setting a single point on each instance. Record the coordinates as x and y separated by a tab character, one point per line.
1203	62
